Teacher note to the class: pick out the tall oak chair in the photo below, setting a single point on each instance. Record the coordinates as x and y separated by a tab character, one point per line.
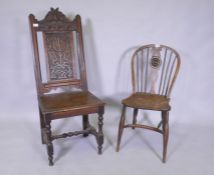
60	74
154	69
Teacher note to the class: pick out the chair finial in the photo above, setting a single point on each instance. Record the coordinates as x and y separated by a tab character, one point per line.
54	20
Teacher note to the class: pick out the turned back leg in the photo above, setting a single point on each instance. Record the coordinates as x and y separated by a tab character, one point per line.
85	123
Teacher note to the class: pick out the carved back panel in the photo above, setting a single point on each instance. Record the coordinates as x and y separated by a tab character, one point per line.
59	55
154	69
58	51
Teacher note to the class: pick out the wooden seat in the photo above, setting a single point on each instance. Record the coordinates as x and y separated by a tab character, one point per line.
59	64
147	101
69	101
154	69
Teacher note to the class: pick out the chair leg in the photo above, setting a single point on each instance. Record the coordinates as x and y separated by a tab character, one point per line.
49	142
42	126
135	112
165	119
160	124
85	123
121	127
100	137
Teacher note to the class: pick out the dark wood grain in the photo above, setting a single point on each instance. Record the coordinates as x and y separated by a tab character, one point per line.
147	101
65	67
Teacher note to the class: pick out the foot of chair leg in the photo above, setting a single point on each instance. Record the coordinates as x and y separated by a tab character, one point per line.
118	148
165	119
100	137
50	153
51	163
100	142
120	129
100	147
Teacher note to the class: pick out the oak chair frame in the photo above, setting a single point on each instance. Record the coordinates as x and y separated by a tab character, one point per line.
148	98
55	22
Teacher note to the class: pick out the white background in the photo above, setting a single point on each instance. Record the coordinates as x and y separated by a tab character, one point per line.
112	29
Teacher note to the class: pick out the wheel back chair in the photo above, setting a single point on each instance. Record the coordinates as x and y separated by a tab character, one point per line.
58	40
153	69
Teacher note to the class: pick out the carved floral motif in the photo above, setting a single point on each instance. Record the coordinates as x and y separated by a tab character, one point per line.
59	55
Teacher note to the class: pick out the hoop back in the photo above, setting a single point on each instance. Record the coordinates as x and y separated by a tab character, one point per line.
154	69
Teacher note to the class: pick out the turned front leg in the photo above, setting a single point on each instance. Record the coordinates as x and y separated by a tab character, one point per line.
165	119
100	137
49	142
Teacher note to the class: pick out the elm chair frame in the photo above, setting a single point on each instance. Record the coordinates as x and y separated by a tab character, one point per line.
154	69
65	68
